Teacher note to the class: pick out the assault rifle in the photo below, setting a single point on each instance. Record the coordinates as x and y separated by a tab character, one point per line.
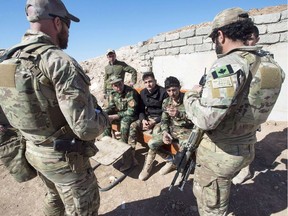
183	160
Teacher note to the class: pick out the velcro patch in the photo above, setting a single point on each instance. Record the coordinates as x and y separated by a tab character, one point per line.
222	71
222	82
7	74
270	77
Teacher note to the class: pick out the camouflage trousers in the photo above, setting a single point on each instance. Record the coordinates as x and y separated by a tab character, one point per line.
136	128
180	136
124	123
216	165
68	193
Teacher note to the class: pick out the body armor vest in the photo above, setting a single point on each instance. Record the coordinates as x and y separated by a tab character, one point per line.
27	97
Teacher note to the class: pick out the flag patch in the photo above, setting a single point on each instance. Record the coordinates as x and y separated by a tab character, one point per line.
222	71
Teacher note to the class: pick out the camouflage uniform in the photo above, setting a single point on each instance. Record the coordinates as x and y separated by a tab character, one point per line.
60	103
150	109
230	118
118	68
124	104
179	127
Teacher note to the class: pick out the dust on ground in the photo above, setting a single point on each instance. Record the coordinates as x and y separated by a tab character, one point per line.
265	194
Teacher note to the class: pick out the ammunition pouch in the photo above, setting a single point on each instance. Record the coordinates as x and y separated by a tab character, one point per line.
12	155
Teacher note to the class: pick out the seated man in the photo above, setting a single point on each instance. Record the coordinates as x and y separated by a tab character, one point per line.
175	127
152	97
122	108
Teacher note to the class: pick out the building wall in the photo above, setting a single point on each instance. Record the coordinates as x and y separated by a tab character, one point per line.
186	54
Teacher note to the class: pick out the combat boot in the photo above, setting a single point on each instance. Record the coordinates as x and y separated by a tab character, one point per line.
169	166
147	165
242	176
128	160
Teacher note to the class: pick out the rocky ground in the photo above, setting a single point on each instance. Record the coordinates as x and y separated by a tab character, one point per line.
265	194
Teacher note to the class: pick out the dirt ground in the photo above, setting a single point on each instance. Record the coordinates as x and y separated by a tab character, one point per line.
264	194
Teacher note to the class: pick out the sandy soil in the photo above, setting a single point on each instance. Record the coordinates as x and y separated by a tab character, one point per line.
264	194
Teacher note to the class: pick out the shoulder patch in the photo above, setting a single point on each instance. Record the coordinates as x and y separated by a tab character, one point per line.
222	71
222	82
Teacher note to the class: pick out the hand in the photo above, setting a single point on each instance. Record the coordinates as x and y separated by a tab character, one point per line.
167	138
145	124
172	111
197	88
113	117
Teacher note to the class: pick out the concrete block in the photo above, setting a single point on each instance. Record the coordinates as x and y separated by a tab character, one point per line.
203	30
195	40
164	45
180	42
284	15
187	49
284	37
267	18
203	47
153	46
173	51
187	33
262	29
173	36
143	49
159	38
269	38
161	52
277	27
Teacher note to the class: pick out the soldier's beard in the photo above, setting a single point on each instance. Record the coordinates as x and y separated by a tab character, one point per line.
218	47
63	39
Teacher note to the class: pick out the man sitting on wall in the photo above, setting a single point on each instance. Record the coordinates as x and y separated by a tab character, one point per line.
122	108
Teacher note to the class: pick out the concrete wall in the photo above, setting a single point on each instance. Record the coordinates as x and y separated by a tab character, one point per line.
186	54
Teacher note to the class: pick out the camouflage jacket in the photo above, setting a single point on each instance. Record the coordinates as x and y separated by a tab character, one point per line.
169	123
62	97
125	103
240	91
118	68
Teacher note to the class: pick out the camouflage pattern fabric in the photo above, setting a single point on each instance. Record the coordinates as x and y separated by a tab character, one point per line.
136	128
124	104
228	144
178	127
76	193
62	90
118	68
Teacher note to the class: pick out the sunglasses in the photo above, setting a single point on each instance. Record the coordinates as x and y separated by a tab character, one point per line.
64	20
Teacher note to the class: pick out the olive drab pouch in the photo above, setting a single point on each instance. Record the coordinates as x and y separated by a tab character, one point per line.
12	155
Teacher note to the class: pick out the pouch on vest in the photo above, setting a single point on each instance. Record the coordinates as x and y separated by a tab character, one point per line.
263	91
12	155
21	98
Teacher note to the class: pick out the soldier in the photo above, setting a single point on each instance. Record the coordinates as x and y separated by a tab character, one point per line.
151	100
240	92
175	127
245	173
51	105
117	68
123	109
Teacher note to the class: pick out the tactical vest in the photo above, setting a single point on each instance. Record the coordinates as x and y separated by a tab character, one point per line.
266	78
26	95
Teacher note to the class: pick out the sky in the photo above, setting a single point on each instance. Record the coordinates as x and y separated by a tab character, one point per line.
106	24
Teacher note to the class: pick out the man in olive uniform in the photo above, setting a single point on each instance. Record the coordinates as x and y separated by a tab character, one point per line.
51	105
241	89
123	109
117	68
175	127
